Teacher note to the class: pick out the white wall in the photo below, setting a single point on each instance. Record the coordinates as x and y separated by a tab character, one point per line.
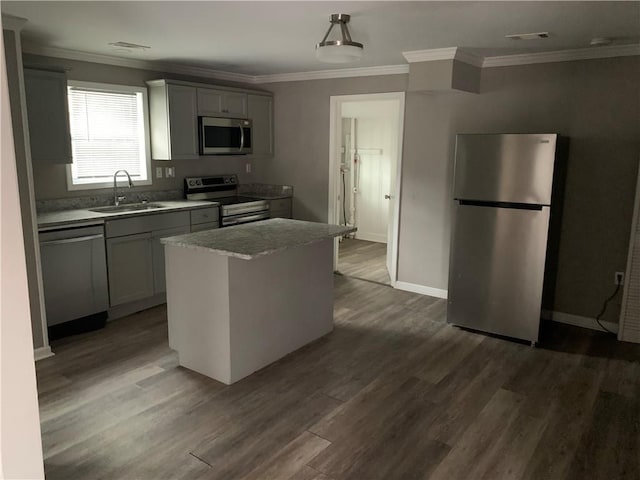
20	443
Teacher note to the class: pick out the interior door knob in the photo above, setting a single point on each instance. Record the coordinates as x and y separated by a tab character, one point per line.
387	197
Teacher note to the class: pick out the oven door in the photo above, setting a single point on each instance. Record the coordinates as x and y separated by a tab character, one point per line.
238	219
224	136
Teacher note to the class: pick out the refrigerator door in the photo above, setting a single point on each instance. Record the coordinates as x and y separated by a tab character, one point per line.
505	168
497	268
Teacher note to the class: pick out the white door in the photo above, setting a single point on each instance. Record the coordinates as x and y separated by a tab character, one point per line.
372	209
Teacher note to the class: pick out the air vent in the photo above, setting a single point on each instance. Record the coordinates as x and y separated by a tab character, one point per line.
528	36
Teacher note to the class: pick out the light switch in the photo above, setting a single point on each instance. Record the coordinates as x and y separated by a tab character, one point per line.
170	172
248	167
158	172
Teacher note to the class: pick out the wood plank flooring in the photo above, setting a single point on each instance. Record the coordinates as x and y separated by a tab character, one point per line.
392	393
364	260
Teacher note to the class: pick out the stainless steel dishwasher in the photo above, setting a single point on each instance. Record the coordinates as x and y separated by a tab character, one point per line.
74	274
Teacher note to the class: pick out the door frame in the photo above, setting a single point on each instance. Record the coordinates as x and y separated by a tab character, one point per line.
335	134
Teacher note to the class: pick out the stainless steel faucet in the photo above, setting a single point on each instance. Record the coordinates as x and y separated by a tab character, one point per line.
116	198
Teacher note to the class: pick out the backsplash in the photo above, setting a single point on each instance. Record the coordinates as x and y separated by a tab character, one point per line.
265	189
74	203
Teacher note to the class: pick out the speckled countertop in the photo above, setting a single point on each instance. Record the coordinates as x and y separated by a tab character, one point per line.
85	216
255	239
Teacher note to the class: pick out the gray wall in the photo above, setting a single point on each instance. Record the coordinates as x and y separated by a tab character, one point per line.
595	102
50	181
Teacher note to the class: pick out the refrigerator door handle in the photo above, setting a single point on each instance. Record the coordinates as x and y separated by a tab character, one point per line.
514	205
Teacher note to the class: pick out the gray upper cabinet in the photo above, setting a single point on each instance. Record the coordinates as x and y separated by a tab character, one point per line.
48	115
261	113
221	103
174	121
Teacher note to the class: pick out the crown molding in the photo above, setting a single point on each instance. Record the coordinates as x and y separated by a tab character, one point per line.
137	63
9	22
563	55
337	73
430	55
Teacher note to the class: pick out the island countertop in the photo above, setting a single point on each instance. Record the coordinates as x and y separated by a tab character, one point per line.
255	239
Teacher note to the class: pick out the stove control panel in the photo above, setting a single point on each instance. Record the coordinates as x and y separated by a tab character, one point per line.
217	184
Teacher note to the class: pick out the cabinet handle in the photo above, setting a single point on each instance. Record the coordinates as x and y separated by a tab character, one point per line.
72	240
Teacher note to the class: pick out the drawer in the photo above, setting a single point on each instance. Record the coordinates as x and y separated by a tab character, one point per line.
280	204
145	223
199	227
205	215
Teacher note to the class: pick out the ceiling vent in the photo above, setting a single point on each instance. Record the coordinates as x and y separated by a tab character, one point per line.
528	36
129	46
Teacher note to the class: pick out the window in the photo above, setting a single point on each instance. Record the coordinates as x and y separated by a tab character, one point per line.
109	132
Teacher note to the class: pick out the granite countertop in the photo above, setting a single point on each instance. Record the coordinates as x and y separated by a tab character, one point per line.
266	196
255	239
85	216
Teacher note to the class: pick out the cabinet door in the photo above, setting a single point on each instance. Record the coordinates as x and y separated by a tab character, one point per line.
159	279
280	208
219	103
183	122
234	104
130	263
48	116
261	113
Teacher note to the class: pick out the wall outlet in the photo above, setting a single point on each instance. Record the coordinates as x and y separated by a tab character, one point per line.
158	172
170	172
618	278
248	167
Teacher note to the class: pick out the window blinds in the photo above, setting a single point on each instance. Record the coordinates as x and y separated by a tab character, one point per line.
107	134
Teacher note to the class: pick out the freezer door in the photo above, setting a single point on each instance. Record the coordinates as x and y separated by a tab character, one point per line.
497	268
505	168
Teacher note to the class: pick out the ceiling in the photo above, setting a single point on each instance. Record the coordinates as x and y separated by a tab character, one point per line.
266	38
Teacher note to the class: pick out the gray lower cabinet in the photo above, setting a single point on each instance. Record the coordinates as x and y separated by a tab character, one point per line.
135	256
159	278
130	264
280	208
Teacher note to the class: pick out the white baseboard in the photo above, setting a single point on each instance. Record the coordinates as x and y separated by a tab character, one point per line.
578	321
423	290
371	237
42	352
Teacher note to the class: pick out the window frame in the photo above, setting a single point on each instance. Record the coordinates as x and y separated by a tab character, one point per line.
112	87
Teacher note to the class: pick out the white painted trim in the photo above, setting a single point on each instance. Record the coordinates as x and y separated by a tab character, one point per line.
562	56
9	22
138	63
430	55
338	73
42	353
335	133
448	53
578	321
421	289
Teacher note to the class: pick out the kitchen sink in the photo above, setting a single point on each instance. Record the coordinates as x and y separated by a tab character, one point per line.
130	207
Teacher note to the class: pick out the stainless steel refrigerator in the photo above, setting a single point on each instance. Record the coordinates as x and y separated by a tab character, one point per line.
503	187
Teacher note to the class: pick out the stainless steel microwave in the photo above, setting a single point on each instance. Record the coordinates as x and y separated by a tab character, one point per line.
224	136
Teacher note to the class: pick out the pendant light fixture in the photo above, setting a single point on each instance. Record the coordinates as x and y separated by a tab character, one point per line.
344	50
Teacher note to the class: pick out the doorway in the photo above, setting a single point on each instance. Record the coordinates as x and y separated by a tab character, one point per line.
366	134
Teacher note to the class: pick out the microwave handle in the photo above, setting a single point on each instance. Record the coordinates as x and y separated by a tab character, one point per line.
241	138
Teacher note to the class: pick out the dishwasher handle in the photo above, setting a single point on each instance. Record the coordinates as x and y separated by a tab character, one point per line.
72	240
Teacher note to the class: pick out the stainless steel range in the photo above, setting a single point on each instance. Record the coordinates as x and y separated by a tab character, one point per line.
223	189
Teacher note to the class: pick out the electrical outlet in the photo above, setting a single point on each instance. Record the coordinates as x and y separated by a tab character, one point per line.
618	278
158	172
248	167
170	172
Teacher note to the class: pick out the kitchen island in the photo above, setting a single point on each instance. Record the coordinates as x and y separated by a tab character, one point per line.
240	298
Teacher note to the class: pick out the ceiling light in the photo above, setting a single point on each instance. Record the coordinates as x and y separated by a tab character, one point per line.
600	41
344	50
528	36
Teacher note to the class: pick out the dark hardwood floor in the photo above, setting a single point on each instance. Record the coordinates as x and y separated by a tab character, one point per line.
364	260
393	393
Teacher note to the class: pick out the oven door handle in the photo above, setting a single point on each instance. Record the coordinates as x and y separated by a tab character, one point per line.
241	138
245	219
